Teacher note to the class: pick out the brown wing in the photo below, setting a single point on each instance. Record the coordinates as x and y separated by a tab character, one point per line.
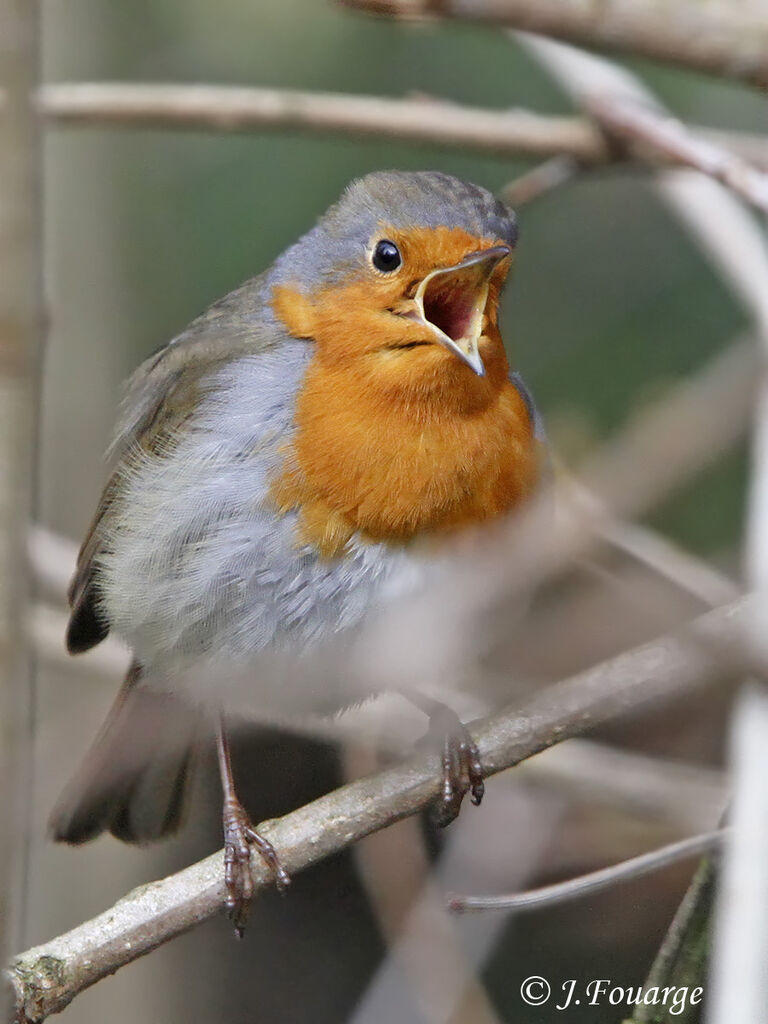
87	625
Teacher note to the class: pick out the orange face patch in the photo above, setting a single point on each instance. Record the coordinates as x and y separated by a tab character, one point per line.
395	436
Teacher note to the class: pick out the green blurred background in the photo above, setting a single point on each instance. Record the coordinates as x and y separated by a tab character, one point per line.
609	304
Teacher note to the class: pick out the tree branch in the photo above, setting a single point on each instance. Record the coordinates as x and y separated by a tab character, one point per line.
721	38
48	977
671	139
508	133
238	109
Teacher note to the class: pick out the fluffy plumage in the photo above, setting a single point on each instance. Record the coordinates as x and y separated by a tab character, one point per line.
279	463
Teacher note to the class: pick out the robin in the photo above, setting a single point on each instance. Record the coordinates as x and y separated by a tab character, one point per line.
282	464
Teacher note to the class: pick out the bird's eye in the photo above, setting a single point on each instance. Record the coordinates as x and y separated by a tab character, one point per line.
386	256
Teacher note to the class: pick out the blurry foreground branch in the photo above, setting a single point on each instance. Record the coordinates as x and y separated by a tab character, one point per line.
48	977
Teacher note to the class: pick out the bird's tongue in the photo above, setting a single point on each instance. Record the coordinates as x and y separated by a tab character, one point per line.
451	299
449	305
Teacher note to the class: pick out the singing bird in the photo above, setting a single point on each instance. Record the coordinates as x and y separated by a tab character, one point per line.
284	465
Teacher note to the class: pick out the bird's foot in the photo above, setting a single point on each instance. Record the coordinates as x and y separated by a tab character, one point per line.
462	770
239	837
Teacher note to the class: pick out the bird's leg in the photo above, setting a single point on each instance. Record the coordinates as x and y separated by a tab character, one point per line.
462	770
239	837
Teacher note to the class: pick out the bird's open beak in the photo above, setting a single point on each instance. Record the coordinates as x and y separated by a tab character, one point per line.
451	301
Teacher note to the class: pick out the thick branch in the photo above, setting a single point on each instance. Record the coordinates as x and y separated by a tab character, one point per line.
48	977
721	38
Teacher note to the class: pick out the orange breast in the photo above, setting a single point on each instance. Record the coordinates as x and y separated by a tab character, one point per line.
396	446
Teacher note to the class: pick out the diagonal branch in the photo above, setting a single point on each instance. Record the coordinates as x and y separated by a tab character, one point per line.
595	881
48	977
721	37
670	139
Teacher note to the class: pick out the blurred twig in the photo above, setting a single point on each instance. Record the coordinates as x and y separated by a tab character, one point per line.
48	977
739	979
685	796
540	180
722	38
665	558
595	881
395	869
21	317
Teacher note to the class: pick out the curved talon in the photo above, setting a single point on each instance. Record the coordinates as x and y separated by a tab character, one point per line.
239	837
462	770
475	772
269	856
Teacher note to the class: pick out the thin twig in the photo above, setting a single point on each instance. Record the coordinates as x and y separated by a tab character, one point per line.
728	39
666	559
683	796
540	180
669	561
595	881
48	977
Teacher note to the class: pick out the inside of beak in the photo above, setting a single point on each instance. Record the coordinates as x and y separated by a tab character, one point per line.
452	301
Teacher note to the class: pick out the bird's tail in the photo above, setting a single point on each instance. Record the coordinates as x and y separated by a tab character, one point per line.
133	779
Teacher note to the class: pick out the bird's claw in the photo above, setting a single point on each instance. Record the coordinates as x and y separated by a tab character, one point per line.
239	837
462	770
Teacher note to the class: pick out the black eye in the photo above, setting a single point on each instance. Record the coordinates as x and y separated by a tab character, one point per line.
386	256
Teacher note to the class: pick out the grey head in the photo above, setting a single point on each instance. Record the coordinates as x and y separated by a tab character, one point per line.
339	243
336	247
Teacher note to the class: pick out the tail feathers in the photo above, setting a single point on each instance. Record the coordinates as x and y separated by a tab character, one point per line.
133	780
